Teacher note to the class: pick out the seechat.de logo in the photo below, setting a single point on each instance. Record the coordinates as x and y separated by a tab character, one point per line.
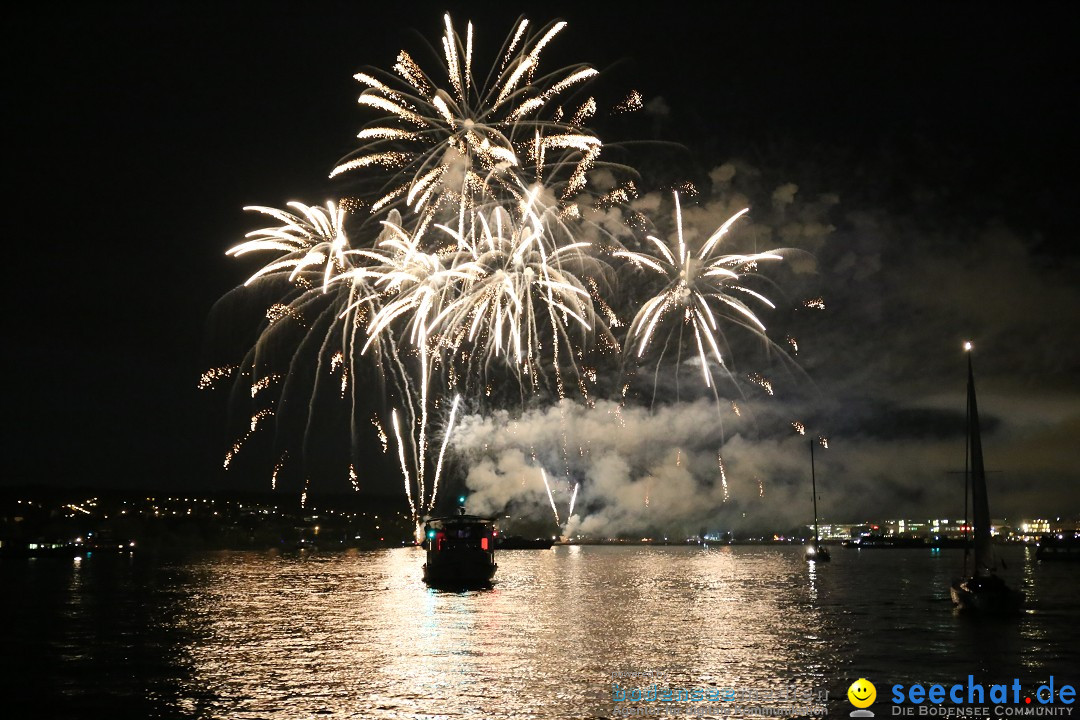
862	694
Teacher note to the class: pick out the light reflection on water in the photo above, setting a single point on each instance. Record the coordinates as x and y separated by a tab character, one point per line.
246	635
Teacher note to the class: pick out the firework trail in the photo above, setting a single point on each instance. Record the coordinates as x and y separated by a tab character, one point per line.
277	469
723	475
551	498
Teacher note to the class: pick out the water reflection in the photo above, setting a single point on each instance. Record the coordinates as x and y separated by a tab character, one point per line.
245	635
550	633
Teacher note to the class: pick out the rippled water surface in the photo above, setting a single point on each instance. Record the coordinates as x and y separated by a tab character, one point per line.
265	635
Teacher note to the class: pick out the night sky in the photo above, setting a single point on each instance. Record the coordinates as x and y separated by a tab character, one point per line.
935	142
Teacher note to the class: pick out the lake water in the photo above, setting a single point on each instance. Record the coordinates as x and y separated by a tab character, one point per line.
358	635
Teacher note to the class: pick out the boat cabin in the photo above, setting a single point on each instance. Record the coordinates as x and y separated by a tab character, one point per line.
460	550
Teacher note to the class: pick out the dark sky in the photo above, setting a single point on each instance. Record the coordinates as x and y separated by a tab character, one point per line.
138	131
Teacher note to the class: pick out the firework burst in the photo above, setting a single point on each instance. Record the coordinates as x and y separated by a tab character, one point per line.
479	139
312	242
699	289
524	293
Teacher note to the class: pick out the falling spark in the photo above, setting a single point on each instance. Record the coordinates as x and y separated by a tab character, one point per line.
380	433
211	376
277	469
723	476
799	427
277	311
618	196
351	205
632	103
815	303
686	188
337	362
259	417
232	453
263	383
758	379
253	425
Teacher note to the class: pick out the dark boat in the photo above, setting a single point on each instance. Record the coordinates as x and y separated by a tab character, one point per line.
517	542
305	544
105	541
1059	549
460	550
878	541
816	552
982	591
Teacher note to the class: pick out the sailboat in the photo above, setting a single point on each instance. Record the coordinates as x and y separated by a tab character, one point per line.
815	553
982	591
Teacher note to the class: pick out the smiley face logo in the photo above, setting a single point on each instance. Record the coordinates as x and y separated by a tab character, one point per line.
862	693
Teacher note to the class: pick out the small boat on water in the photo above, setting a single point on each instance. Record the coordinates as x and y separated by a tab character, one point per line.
1058	549
816	552
874	541
982	591
460	550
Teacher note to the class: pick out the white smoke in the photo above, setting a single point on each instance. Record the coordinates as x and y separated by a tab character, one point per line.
645	471
638	469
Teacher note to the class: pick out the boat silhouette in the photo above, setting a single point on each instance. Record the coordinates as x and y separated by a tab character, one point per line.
460	550
982	591
815	553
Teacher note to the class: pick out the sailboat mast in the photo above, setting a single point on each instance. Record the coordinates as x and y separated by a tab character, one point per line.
979	502
813	486
967	477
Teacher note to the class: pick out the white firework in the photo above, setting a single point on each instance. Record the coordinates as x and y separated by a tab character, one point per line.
700	289
474	141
